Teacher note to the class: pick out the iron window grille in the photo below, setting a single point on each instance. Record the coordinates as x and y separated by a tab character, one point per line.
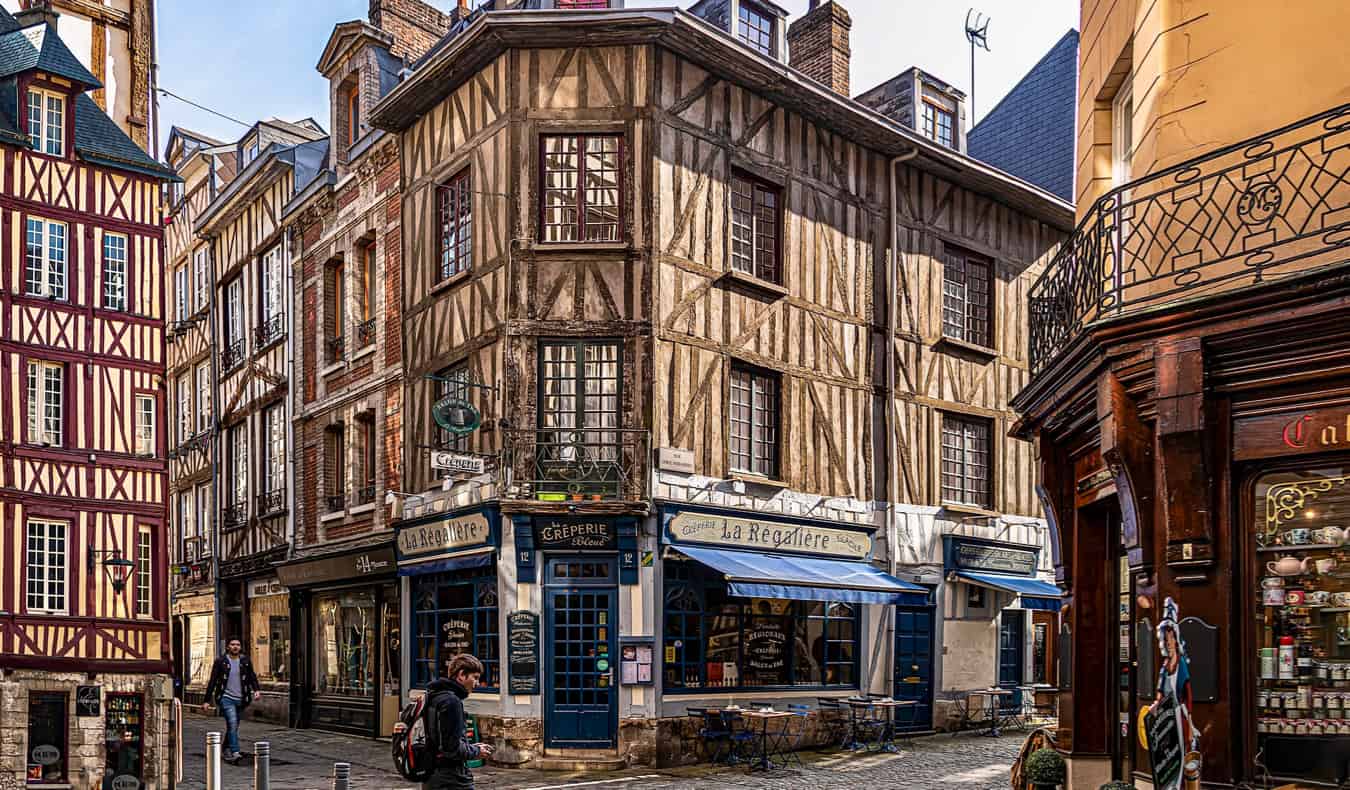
233	355
337	348
234	516
754	421
755	227
269	331
365	495
582	187
454	201
273	501
966	311
966	478
365	333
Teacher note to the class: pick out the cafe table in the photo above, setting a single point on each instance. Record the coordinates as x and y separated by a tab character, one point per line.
889	705
993	698
761	760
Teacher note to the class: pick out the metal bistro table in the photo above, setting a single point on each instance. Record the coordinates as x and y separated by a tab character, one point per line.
891	705
761	761
886	739
992	696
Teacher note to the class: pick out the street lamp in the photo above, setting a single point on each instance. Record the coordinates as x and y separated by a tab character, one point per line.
115	565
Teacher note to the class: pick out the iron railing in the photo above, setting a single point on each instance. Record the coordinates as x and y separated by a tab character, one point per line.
232	355
234	516
269	331
335	502
364	495
566	464
336	348
365	333
196	549
1249	213
270	502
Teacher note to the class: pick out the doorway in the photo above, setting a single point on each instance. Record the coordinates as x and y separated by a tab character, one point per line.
581	617
914	667
1011	649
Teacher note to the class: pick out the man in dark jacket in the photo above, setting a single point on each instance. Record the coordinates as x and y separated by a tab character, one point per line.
232	687
446	728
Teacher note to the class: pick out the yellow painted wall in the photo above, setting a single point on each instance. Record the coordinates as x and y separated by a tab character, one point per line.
1206	73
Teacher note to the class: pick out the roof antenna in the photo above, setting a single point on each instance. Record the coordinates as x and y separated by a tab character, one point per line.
978	35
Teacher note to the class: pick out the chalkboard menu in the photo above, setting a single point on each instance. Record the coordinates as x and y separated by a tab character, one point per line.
1165	750
1202	652
522	652
88	701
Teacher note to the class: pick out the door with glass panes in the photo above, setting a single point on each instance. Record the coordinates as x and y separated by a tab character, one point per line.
581	596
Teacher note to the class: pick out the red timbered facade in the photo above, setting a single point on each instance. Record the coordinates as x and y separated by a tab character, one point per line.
83	598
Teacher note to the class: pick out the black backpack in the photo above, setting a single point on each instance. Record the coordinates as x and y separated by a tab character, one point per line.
413	742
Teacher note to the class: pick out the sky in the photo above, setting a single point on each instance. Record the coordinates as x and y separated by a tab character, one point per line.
253	59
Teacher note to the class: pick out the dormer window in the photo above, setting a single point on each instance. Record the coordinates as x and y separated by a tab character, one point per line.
755	28
250	152
46	121
938	124
352	107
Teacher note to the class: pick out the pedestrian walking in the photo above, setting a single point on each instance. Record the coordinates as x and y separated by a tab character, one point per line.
232	687
446	728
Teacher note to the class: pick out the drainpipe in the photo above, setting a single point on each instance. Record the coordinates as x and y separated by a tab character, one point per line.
892	468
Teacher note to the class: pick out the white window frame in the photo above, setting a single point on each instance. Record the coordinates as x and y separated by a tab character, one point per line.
46	402
45	273
145	552
180	293
239	465
203	397
272	302
184	400
201	277
114	272
47	126
274	433
202	524
145	424
45	592
187	514
1122	131
234	315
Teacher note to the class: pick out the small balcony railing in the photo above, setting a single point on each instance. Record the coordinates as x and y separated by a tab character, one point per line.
335	502
273	501
564	464
269	331
234	516
365	333
232	355
1246	214
337	347
196	549
364	495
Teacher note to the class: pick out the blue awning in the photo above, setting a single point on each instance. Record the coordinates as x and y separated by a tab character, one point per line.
1035	594
754	575
468	559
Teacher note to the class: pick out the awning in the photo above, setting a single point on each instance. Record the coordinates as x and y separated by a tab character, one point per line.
475	558
1034	593
754	575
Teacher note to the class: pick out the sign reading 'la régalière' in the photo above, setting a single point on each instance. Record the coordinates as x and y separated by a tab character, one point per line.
742	533
444	535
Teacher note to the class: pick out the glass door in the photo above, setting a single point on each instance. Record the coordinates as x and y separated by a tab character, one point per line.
581	613
124	741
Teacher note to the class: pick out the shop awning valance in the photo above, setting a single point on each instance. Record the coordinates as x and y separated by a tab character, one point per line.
764	575
474	558
1034	593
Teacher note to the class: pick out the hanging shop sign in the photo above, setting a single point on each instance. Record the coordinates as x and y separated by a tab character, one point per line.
522	652
88	701
355	565
575	533
456	462
741	533
449	534
986	557
456	415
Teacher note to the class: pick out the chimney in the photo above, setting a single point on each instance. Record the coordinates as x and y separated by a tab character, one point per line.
415	25
37	12
818	45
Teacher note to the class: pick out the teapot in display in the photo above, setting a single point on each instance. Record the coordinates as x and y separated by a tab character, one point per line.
1329	536
1288	566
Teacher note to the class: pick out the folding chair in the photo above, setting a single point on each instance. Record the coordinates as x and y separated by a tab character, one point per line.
833	720
741	738
714	734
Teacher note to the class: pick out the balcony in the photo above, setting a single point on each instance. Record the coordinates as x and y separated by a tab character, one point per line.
234	516
364	496
365	333
335	503
273	501
562	465
337	347
269	331
196	549
232	355
1244	215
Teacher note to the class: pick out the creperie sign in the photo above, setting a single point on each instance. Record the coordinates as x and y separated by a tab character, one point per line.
1291	434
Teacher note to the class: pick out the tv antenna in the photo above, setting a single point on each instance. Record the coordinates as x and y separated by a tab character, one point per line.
977	33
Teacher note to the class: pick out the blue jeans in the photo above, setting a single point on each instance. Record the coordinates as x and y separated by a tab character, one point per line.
229	708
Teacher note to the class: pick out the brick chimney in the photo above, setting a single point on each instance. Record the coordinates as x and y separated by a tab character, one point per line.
415	25
818	45
37	12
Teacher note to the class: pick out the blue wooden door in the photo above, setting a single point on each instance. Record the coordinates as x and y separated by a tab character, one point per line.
914	667
581	620
1011	646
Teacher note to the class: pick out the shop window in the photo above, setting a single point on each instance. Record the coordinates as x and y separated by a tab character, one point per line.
455	612
975	597
582	183
965	461
965	298
454	200
754	421
47	737
346	652
755	224
715	641
125	738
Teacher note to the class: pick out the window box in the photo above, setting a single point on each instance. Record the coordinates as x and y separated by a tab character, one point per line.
985	353
750	282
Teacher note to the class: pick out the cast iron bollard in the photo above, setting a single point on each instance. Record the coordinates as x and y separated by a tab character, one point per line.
262	765
213	761
342	776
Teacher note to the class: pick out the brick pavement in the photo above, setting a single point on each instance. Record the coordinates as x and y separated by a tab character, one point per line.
303	760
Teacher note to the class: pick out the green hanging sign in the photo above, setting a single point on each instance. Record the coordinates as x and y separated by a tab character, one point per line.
456	415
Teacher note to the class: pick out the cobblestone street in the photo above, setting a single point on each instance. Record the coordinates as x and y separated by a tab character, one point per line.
303	760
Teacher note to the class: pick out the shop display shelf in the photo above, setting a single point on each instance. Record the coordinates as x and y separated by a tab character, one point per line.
1301	547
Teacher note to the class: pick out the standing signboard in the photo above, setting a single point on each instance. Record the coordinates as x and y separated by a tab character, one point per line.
522	653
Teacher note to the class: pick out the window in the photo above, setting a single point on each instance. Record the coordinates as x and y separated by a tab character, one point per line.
46	121
337	313
1122	131
714	641
143	565
238	437
965	461
454	200
202	524
272	321
114	271
203	398
47	566
180	293
754	421
754	227
938	124
274	453
353	108
965	298
45	258
367	255
365	425
455	612
250	152
581	187
454	382
579	412
186	511
46	382
47	737
974	596
184	401
201	277
145	424
345	646
755	28
234	324
336	439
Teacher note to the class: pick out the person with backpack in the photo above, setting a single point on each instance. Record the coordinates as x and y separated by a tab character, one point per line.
430	743
232	687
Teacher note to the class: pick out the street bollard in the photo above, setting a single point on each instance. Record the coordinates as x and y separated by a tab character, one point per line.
213	761
262	765
342	776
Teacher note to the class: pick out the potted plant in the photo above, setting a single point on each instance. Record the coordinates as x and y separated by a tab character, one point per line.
1045	769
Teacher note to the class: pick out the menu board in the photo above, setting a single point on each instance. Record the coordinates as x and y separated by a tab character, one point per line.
635	660
88	701
1164	743
522	652
124	729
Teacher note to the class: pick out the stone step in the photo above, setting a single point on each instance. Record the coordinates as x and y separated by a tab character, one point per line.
580	760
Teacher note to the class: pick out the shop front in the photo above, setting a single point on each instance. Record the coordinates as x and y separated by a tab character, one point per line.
194	634
344	635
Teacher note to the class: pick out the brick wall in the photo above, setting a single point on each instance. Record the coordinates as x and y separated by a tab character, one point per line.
818	45
415	26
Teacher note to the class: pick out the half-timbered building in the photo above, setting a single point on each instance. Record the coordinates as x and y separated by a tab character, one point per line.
252	346
84	648
707	367
205	165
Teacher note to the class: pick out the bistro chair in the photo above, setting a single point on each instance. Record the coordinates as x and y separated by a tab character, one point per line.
794	732
958	703
714	734
833	720
740	738
1011	711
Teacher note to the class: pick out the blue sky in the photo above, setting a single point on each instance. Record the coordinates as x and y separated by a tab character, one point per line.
255	58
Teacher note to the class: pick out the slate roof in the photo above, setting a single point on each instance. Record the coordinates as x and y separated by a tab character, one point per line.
1029	134
38	47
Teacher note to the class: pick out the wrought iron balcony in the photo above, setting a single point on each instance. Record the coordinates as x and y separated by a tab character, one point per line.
269	331
335	502
364	495
234	516
232	355
558	465
273	501
365	333
1246	214
196	549
337	347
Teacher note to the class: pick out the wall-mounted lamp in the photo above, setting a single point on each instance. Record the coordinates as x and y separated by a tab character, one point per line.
115	565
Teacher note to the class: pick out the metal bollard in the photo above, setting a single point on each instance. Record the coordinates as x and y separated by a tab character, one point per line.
342	776
213	761
262	765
